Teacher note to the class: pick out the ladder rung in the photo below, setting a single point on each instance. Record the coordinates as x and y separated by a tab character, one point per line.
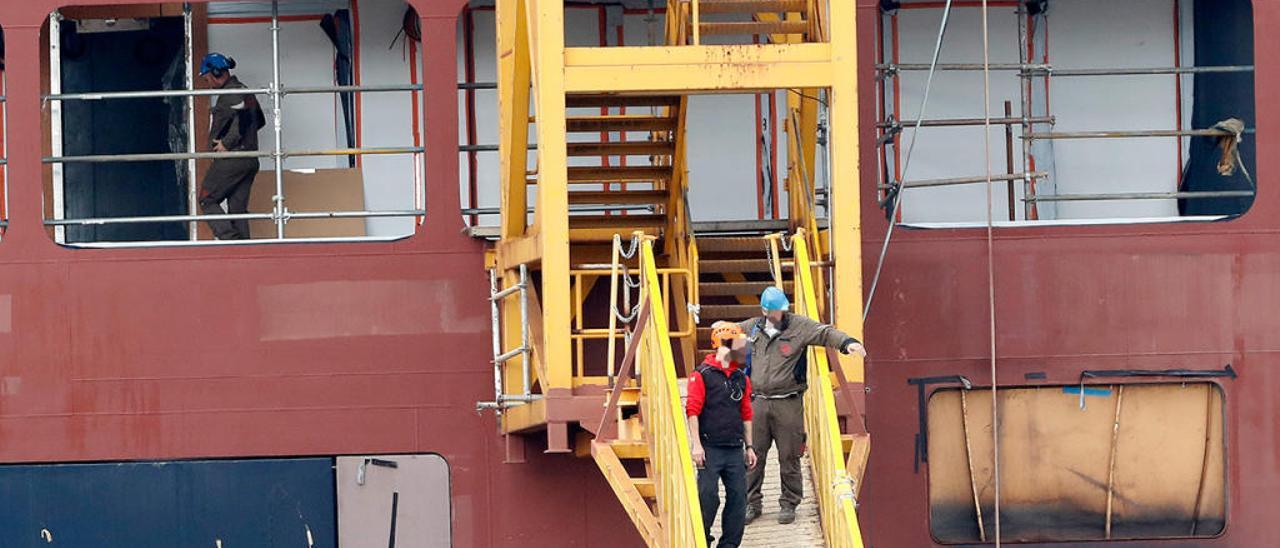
733	265
752	6
733	312
646	487
754	28
618	222
730	289
732	244
619	123
587	101
618	174
618	197
623	148
630	449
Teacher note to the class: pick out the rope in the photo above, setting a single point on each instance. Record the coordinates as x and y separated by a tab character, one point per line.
906	162
991	269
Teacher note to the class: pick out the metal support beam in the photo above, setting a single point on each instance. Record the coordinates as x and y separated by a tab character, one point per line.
845	205
548	60
1143	196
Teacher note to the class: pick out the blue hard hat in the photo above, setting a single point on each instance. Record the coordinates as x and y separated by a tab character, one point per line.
215	61
774	299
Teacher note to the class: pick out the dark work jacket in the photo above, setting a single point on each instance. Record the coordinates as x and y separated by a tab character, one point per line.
236	119
720	420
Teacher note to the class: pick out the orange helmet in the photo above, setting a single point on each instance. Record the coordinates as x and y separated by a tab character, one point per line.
724	332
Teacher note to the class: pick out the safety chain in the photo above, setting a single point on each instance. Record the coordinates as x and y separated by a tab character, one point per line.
631	317
696	310
635	246
786	242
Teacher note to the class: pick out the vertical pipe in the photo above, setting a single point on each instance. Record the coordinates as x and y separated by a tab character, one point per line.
55	121
1008	159
1111	468
190	82
524	328
278	211
613	308
1024	90
497	344
697	31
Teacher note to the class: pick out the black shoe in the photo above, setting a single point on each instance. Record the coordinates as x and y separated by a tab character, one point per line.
787	515
753	512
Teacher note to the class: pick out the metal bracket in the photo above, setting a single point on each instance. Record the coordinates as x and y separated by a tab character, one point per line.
922	440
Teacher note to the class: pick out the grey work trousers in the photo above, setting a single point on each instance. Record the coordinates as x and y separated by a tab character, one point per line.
228	179
778	422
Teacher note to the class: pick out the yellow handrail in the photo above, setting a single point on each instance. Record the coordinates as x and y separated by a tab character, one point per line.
832	482
664	421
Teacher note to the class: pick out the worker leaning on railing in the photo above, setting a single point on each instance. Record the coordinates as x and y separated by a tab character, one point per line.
777	341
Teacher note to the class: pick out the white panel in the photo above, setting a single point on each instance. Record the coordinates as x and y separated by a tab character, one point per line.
944	152
386	119
1106	33
417	488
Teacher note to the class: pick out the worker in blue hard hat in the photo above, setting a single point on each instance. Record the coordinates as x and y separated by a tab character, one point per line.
236	119
777	342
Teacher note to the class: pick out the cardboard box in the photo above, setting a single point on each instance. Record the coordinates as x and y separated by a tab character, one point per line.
310	190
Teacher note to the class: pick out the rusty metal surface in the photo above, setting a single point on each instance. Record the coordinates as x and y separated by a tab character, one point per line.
1191	295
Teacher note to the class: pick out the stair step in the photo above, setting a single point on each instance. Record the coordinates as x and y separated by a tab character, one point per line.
646	487
751	6
587	101
623	148
619	123
617	197
733	289
630	449
741	244
596	174
623	223
751	28
720	266
731	312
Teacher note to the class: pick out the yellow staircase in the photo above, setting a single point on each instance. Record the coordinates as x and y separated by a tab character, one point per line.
606	265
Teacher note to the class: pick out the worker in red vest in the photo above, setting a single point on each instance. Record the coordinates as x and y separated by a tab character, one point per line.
719	410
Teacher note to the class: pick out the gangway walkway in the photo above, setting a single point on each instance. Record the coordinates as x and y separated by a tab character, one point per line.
765	531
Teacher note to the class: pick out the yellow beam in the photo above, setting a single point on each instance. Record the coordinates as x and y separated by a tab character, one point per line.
514	251
846	223
513	113
547	42
697	68
525	417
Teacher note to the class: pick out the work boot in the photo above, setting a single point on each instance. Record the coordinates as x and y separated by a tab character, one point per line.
753	512
786	515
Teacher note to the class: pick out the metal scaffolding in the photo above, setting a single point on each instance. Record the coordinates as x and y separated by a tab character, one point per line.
1026	70
280	214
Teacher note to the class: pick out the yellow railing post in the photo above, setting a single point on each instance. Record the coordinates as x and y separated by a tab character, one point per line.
832	482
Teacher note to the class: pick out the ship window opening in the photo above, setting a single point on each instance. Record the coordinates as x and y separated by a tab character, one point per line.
1102	112
1120	462
133	158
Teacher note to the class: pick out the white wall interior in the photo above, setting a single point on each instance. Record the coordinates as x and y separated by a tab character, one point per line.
313	121
1082	34
720	128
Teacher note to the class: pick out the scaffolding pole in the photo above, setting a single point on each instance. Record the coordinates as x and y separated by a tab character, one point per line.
278	123
952	122
1024	91
1132	134
189	82
923	183
1028	69
55	123
1144	196
167	156
234	217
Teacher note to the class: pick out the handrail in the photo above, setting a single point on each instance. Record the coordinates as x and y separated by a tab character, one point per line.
832	482
664	420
